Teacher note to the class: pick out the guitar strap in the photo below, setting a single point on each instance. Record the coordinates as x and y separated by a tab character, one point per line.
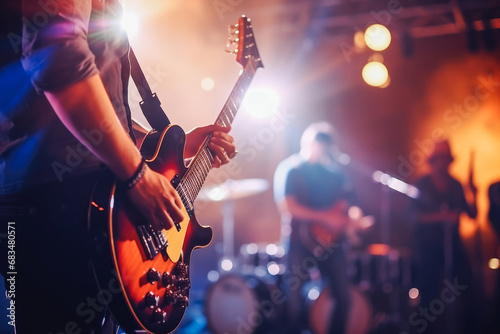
150	104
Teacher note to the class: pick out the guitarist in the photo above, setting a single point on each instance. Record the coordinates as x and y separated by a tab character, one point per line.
310	187
64	73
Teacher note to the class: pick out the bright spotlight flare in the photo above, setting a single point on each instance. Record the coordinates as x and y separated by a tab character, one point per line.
395	184
130	23
375	74
261	102
377	37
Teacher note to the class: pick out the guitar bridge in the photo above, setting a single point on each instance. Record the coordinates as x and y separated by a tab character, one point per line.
152	241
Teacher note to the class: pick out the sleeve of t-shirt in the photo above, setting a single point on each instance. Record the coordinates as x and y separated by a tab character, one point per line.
284	183
56	52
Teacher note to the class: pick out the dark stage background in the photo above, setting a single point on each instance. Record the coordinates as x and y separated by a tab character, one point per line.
312	65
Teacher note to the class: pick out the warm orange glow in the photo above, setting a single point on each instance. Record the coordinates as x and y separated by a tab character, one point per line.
378	249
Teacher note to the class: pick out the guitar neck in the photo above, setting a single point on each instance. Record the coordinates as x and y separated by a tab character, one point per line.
190	185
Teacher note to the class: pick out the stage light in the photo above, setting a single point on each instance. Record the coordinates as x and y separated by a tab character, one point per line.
252	249
213	275
377	37
413	293
375	74
271	249
494	263
313	294
273	268
344	159
130	23
359	40
261	102
354	212
207	84
226	264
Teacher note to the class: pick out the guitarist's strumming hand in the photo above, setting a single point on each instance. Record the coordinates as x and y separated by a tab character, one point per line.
336	217
157	200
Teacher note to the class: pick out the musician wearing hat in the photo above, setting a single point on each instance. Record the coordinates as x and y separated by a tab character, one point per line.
441	258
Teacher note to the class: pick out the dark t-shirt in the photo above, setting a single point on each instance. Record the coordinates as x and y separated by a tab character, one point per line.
494	210
47	45
431	200
316	186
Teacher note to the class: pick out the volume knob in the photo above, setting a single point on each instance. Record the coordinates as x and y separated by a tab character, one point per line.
153	276
170	297
168	279
159	316
151	300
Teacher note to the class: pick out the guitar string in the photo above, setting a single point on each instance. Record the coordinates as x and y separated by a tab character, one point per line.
201	165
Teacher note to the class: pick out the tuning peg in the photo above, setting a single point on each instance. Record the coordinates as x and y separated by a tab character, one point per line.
233	29
231	41
232	52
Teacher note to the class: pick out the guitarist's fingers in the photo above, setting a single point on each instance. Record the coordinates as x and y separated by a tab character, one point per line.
173	207
208	129
227	145
162	220
217	163
223	135
220	152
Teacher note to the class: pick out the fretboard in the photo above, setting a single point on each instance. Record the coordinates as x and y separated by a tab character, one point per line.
190	185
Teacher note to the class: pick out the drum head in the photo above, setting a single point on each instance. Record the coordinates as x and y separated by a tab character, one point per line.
359	317
231	306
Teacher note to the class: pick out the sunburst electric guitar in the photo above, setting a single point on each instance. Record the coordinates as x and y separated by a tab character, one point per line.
144	273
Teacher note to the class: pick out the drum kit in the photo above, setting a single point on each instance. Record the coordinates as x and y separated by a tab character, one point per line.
249	297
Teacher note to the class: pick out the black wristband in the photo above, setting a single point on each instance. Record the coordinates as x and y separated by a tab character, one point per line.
135	178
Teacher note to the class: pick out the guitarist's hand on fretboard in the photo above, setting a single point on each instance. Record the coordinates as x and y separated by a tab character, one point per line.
221	143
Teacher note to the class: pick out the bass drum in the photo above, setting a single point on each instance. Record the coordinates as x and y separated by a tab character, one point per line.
244	304
359	318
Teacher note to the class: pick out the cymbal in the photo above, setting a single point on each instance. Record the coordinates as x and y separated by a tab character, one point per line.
233	189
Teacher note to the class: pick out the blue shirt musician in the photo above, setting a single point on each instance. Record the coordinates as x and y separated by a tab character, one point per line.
313	193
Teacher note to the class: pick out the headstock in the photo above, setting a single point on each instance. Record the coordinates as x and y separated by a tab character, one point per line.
242	40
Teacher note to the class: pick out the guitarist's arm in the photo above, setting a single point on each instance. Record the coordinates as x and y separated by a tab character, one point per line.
85	105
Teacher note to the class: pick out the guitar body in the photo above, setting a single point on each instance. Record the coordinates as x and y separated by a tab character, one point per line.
324	236
143	274
153	288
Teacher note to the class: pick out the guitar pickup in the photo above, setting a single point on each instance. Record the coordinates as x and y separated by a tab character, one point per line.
148	245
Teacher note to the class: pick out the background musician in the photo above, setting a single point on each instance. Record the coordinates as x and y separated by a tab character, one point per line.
311	188
440	254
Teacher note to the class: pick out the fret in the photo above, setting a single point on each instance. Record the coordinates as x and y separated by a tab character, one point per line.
190	189
207	163
205	156
237	101
222	123
229	112
232	106
201	165
185	194
228	121
197	181
182	193
201	174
